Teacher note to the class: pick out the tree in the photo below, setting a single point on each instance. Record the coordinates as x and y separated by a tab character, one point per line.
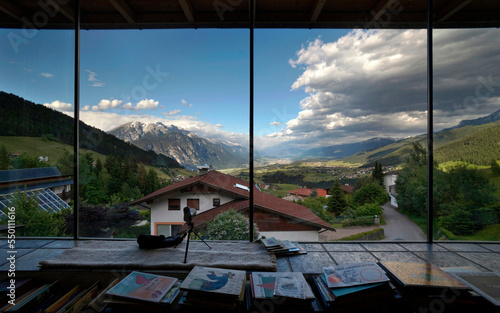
66	163
38	222
337	203
378	173
317	206
371	193
230	225
313	194
4	158
26	161
495	168
411	184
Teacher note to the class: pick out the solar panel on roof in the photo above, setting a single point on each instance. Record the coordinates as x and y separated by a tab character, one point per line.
47	200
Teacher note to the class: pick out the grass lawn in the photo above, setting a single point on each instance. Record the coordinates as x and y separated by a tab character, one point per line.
282	190
488	233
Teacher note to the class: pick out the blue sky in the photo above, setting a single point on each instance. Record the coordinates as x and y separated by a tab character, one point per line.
312	87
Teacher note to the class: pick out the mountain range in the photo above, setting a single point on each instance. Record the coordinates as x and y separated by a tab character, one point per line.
185	147
24	118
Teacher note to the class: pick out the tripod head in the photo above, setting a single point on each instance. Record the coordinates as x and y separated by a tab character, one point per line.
188	215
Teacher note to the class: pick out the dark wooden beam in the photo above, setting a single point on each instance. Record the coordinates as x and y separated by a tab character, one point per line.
451	9
11	10
381	8
64	9
188	10
124	9
316	9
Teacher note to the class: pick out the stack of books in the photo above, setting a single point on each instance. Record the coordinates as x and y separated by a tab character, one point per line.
422	284
284	291
140	292
214	288
282	247
353	287
31	296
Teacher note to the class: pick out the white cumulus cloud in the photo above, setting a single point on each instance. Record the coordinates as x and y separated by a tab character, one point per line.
59	106
147	104
373	83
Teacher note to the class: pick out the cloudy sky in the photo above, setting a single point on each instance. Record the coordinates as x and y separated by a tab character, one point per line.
312	87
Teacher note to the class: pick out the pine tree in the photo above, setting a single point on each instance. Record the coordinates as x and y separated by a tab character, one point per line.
337	203
378	173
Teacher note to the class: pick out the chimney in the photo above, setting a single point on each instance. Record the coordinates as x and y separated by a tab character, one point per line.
204	169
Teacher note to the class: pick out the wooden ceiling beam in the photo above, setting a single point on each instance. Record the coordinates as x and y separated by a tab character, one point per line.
11	10
124	9
64	9
316	9
381	8
188	10
451	9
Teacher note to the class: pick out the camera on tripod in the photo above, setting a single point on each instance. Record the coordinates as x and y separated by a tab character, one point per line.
189	213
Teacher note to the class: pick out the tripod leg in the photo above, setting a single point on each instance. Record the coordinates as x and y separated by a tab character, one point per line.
187	246
196	234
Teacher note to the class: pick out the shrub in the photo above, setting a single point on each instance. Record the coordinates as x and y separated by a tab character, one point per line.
230	225
360	221
371	193
368	209
459	221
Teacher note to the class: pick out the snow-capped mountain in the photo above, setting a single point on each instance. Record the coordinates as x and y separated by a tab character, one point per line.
185	147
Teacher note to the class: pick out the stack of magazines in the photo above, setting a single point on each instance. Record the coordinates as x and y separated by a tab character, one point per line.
341	288
282	247
213	288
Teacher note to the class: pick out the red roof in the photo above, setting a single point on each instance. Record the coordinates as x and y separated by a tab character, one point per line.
306	192
347	189
229	184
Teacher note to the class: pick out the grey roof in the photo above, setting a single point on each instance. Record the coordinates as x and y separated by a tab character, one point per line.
20	175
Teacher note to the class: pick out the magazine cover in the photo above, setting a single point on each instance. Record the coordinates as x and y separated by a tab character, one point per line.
263	283
289	287
172	293
143	286
215	280
354	274
421	275
270	242
487	284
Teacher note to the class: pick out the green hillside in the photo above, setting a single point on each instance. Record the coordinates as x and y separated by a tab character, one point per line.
24	118
473	144
480	147
38	146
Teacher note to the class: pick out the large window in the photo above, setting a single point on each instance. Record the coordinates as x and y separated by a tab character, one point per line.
156	106
466	125
36	137
339	130
337	112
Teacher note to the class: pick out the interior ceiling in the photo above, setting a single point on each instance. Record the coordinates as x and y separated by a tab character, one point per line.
109	14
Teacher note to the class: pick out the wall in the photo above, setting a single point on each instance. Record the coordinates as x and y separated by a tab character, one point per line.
311	235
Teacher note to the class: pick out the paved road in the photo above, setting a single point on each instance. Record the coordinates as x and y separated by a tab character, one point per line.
400	227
